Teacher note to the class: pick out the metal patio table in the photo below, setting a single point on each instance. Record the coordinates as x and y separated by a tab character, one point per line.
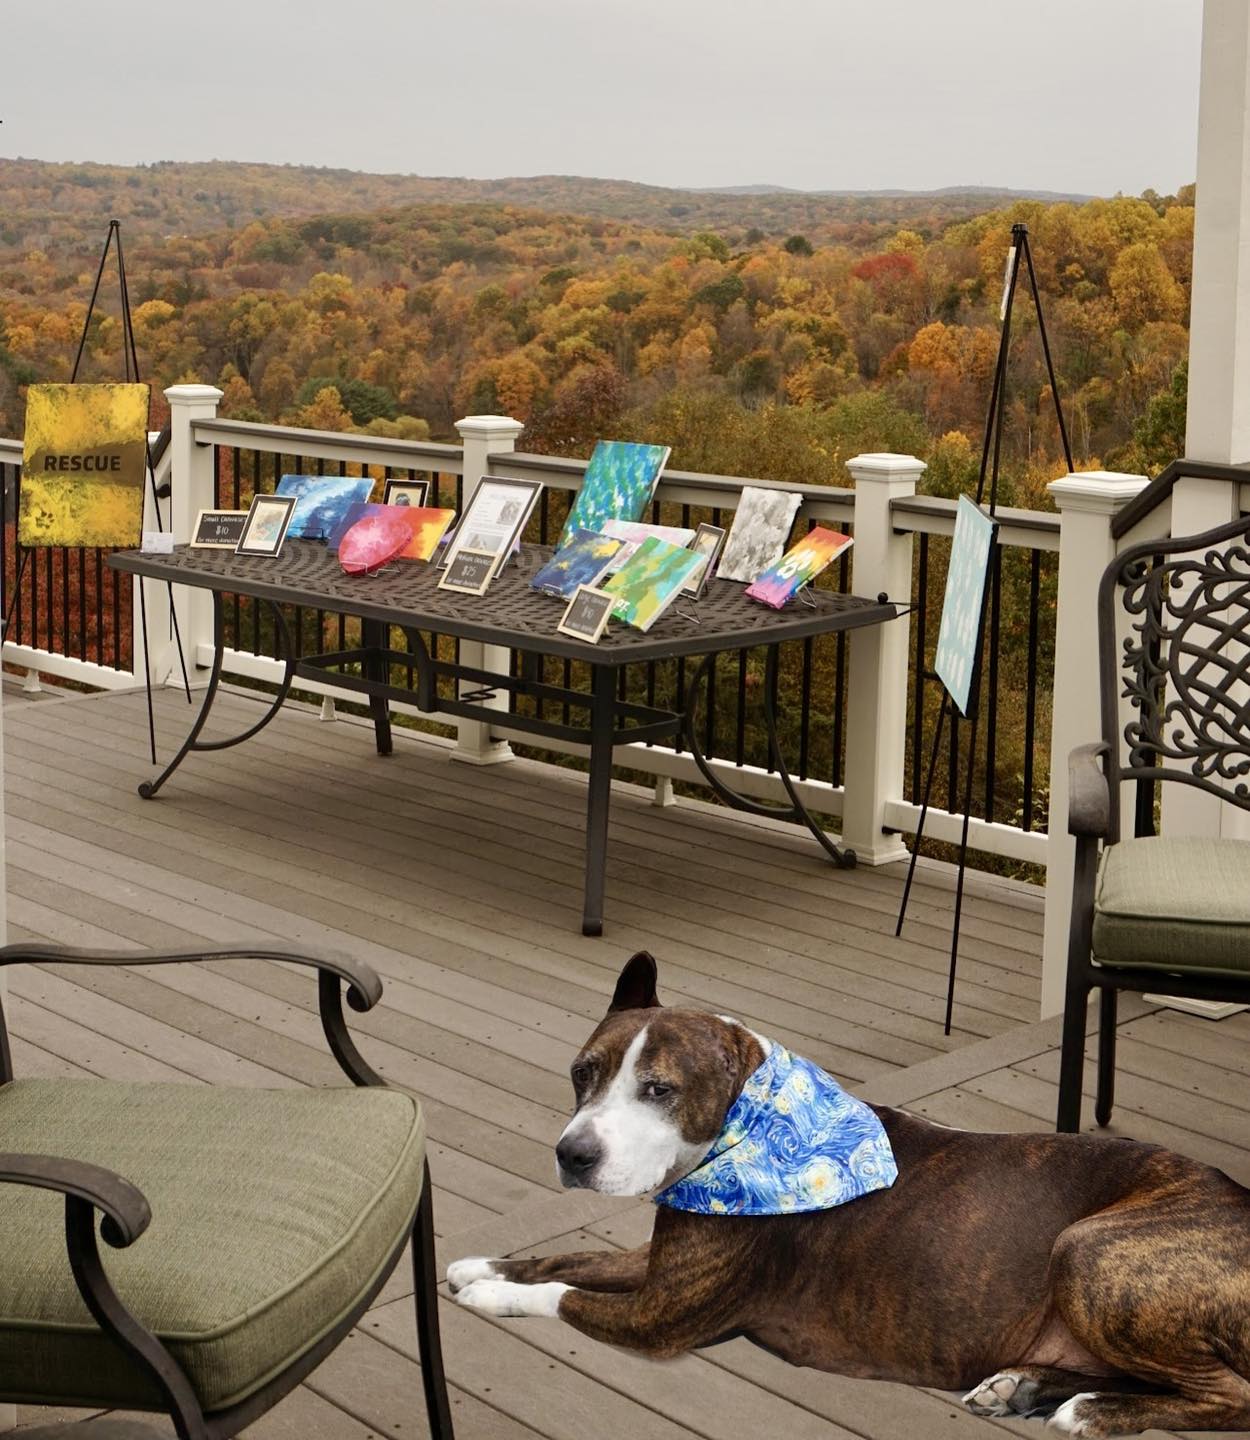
405	596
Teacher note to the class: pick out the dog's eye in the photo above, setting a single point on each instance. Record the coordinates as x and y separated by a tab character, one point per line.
580	1075
657	1092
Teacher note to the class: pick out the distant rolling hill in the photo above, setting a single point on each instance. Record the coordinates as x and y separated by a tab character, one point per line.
58	207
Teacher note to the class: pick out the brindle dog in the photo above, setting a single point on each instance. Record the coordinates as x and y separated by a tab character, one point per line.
1103	1282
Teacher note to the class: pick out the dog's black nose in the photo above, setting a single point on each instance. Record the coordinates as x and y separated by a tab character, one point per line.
578	1155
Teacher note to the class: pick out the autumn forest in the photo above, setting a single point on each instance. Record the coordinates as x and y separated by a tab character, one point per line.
765	334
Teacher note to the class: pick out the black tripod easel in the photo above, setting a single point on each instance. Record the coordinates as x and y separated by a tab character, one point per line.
1018	253
130	361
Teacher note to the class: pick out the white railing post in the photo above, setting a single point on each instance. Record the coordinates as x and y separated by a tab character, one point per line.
482	437
193	489
876	719
1086	504
149	605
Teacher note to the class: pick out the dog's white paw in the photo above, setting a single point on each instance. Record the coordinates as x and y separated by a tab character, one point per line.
464	1272
1071	1417
993	1396
506	1297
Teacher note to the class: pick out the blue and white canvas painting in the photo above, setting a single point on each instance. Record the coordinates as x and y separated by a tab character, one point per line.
321	501
960	633
620	479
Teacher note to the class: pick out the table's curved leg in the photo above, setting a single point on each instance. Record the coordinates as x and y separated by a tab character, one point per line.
796	810
282	632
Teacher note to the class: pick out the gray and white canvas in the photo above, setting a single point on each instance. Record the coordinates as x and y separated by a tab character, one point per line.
760	531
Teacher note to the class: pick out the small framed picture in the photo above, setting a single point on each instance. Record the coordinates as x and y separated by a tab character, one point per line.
406	492
709	541
587	614
469	572
218	529
266	525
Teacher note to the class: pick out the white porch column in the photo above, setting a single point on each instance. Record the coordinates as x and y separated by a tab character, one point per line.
8	1413
1086	503
192	484
876	719
1218	421
482	437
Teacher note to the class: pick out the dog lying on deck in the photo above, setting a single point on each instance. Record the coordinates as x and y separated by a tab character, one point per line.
1102	1282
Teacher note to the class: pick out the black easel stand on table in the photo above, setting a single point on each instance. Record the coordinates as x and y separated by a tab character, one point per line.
130	359
1019	251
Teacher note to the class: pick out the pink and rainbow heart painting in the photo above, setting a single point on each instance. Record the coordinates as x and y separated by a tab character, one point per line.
390	532
799	565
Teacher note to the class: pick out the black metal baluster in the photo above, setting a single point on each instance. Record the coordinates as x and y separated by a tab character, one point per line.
740	742
918	716
1030	691
82	604
991	709
839	678
805	717
99	606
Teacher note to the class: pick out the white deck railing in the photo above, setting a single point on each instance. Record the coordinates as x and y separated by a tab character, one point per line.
885	514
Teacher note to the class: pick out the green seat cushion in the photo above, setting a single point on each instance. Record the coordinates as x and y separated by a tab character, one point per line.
273	1212
1176	904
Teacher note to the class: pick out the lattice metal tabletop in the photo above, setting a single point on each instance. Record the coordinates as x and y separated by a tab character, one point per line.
510	613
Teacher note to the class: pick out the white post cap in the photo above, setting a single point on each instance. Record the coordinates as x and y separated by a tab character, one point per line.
193	394
886	466
1098	492
489	427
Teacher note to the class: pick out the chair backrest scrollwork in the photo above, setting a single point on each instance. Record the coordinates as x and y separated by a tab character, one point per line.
1174	642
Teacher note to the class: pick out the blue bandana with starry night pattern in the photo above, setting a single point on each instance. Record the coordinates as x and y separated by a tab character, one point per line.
793	1141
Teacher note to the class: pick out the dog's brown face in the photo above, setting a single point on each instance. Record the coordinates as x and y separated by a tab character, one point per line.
652	1087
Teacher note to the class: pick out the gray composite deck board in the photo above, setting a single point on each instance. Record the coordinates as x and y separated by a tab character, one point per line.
462	886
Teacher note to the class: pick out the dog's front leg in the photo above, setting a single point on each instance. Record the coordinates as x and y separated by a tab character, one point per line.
613	1270
678	1307
654	1322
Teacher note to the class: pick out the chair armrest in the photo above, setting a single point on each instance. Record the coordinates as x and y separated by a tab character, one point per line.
1089	798
126	1211
364	988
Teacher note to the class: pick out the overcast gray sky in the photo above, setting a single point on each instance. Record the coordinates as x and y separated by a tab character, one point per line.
1080	95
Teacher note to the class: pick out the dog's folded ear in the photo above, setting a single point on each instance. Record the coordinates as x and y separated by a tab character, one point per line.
635	989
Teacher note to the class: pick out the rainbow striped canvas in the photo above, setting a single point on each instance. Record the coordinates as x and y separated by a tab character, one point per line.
817	550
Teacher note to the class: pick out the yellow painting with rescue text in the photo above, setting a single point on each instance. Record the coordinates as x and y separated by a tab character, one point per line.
84	460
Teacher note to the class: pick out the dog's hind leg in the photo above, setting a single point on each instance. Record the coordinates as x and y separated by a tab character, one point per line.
1031	1390
1096	1415
612	1271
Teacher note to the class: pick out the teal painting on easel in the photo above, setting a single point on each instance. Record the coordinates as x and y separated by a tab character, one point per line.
959	637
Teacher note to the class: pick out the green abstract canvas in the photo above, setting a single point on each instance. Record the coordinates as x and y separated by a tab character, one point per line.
650	581
620	480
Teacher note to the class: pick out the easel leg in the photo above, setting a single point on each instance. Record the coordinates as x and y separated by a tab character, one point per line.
924	811
963	862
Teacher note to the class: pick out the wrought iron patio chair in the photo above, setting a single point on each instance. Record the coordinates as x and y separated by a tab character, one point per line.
1159	912
250	1229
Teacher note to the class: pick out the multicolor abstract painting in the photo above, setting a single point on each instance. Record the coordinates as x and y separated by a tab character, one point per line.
651	581
803	562
426	526
84	459
759	533
620	480
321	501
375	540
959	636
634	532
582	562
